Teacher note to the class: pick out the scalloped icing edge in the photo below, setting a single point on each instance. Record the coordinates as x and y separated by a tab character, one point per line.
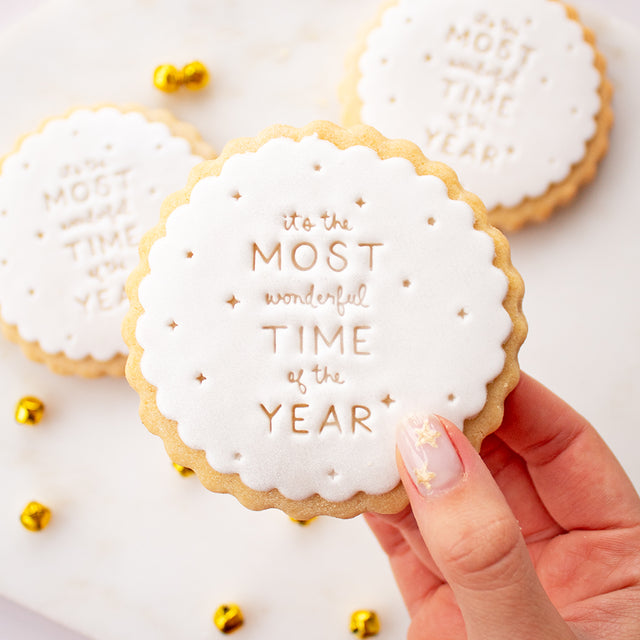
529	210
475	428
89	367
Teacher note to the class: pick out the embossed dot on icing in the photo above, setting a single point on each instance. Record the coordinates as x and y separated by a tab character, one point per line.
82	215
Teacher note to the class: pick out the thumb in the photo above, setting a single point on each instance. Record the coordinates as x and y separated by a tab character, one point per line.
473	536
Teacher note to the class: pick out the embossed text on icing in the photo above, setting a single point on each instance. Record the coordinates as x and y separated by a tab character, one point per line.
483	61
337	298
97	227
304	256
299	419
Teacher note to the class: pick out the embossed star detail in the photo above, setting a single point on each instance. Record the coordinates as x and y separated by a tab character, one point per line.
424	476
426	434
388	400
233	301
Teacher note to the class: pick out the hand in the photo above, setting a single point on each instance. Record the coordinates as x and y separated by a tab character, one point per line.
540	541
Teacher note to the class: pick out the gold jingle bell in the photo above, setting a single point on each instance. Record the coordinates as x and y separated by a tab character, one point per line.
364	624
167	78
194	75
29	410
302	523
35	516
228	618
183	471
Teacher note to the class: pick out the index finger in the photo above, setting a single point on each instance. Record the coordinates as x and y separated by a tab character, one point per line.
578	478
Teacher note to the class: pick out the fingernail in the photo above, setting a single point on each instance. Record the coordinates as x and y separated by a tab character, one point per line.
428	455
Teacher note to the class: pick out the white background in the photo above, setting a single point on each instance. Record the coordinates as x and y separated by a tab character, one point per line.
16	622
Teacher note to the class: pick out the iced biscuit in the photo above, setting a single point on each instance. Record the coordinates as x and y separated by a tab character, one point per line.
76	196
512	95
305	292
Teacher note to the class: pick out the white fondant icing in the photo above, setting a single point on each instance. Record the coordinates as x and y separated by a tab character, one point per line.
75	200
407	292
504	92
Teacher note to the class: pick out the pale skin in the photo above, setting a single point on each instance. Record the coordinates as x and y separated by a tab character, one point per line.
540	538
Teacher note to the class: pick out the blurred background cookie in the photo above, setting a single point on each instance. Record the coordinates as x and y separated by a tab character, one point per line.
75	199
512	95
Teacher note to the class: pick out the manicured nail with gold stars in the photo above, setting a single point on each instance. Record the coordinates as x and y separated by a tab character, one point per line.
428	455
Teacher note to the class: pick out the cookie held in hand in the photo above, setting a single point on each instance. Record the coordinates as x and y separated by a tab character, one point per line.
308	290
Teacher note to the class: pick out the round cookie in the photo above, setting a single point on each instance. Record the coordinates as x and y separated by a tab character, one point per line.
512	95
75	198
307	291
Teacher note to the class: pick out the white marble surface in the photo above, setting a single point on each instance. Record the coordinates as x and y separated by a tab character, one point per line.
133	549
